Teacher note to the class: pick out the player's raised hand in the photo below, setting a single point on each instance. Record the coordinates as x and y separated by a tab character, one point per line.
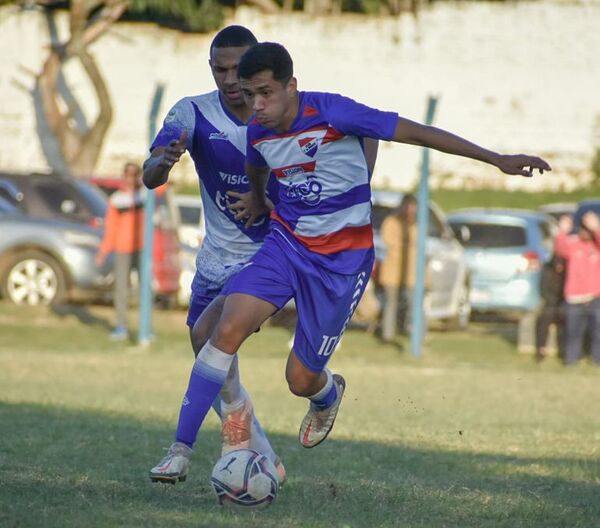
173	152
521	164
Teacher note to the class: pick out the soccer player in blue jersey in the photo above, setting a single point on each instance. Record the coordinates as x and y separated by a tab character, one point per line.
212	128
319	250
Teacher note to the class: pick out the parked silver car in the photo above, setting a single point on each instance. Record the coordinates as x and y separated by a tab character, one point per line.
44	260
447	298
191	228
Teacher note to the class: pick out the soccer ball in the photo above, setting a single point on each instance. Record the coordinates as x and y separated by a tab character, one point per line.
245	479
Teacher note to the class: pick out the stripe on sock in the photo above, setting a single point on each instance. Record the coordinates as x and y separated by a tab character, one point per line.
327	395
206	380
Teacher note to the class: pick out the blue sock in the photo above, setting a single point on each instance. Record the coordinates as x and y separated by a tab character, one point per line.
327	395
207	378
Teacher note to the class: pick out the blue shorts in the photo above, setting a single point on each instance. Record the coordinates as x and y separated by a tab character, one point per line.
211	275
325	301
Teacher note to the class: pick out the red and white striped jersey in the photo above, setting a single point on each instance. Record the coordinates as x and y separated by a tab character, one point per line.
324	193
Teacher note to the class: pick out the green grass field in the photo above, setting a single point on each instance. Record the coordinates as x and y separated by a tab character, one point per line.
472	435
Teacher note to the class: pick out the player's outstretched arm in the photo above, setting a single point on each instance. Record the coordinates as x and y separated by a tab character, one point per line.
417	134
162	159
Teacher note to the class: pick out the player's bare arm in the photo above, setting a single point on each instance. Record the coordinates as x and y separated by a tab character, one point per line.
414	133
371	146
257	177
161	161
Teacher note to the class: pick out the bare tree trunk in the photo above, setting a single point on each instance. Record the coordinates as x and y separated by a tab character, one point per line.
79	148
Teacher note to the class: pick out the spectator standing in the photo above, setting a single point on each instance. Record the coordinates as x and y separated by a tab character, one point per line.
582	284
552	312
124	236
398	269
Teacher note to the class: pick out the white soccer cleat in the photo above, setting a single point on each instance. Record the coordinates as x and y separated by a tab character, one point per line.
317	424
236	429
174	466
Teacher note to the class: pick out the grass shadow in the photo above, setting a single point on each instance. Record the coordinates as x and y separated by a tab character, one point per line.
83	314
73	468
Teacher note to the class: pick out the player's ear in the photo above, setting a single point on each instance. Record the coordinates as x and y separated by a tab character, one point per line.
292	86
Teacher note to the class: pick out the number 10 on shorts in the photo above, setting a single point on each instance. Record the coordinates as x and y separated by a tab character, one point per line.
328	345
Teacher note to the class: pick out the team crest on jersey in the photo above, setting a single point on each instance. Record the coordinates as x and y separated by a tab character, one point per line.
218	135
309	145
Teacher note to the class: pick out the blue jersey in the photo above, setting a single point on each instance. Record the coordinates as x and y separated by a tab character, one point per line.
217	145
324	177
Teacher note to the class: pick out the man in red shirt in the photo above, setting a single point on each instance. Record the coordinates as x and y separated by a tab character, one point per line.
124	236
582	284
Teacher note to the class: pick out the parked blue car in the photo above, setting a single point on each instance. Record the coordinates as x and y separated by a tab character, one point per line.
505	251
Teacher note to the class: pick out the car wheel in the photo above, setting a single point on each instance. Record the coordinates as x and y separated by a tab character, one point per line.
34	278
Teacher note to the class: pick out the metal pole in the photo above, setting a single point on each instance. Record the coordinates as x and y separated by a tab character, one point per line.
146	297
418	317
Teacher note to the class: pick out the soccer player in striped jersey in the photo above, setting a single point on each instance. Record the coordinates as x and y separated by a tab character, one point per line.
212	128
319	250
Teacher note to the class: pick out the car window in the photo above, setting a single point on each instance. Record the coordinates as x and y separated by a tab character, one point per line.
483	235
435	228
165	213
190	214
7	196
11	193
62	200
546	235
96	199
6	206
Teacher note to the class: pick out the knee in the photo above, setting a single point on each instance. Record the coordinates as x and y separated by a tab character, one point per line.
229	333
300	385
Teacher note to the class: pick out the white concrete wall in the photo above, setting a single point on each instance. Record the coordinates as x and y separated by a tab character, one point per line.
514	77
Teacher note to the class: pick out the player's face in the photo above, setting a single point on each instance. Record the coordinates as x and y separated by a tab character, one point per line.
274	104
223	64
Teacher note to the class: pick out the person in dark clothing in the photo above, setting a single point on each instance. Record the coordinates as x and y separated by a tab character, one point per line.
552	291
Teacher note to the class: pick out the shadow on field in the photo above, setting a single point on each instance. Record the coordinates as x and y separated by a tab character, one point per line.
68	468
506	328
82	314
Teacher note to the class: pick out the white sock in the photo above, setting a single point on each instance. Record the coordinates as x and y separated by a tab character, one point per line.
326	388
232	394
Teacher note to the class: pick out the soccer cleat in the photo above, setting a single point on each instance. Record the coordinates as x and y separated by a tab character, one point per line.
119	334
236	428
317	424
174	466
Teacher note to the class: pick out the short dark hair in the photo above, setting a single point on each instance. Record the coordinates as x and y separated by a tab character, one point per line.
233	37
133	165
267	56
407	200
